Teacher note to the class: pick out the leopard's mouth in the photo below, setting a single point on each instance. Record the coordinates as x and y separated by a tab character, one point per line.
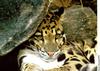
58	56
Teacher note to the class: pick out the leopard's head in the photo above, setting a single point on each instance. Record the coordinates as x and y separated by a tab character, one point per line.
50	36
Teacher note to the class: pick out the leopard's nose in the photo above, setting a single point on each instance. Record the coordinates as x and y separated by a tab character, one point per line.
50	54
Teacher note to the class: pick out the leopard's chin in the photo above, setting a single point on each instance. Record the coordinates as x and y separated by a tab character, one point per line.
45	57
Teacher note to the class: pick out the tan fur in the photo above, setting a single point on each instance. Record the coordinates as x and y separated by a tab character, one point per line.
53	39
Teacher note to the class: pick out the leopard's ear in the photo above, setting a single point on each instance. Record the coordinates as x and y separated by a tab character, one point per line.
60	11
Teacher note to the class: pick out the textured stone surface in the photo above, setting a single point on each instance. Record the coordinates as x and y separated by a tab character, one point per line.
18	21
79	23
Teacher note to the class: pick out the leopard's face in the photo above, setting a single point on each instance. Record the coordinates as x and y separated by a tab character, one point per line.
49	37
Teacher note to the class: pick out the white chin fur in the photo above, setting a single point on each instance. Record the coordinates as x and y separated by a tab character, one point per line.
35	58
31	58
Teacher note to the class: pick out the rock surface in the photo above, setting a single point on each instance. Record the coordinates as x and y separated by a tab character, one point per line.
18	21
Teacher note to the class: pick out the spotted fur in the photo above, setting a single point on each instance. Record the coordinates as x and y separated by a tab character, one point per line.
48	48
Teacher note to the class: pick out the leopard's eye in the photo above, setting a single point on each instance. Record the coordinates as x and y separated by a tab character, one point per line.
52	31
45	32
